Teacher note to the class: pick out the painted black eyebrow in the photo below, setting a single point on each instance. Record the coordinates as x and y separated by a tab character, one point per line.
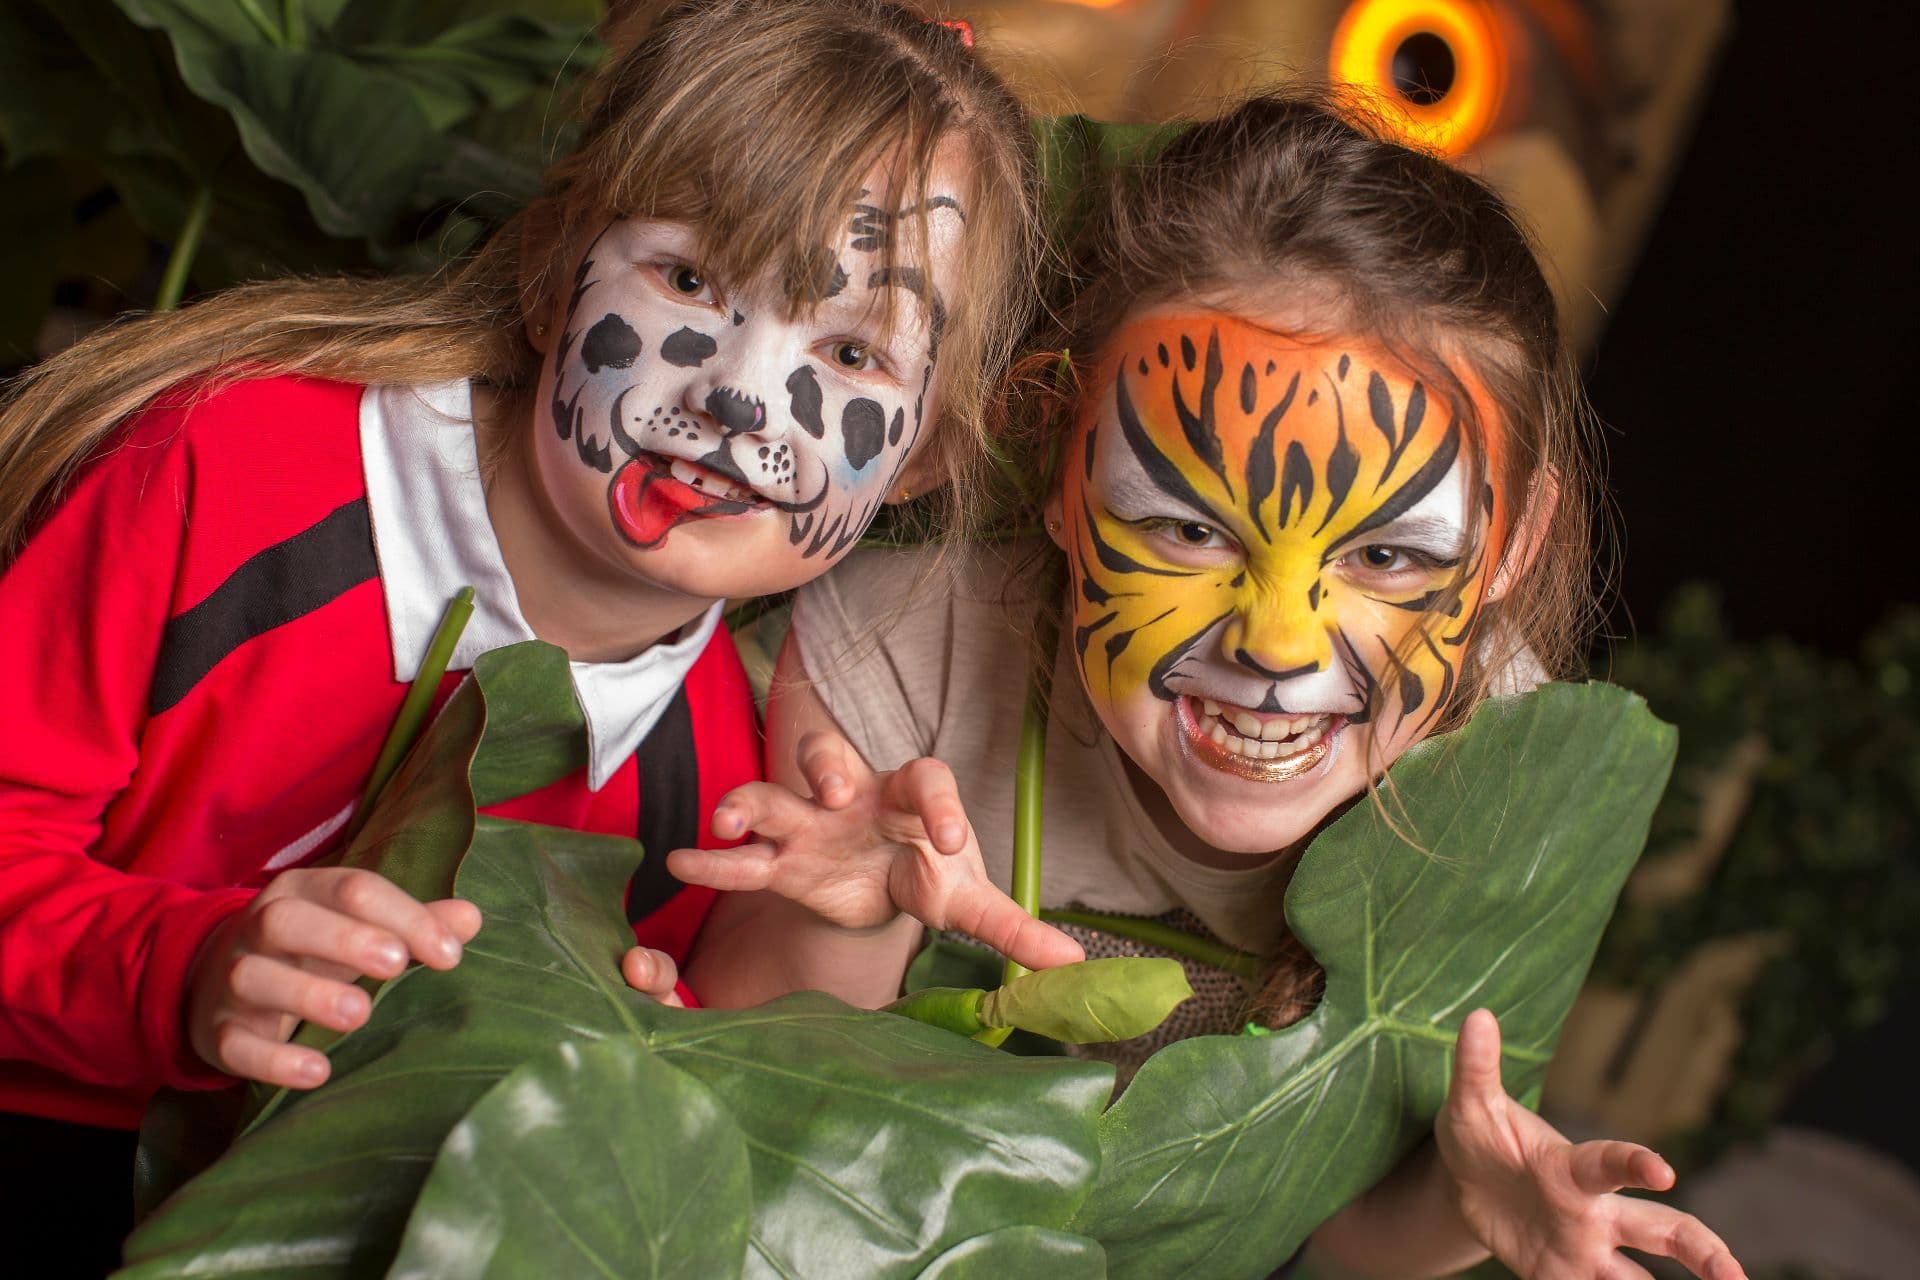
1403	499
914	281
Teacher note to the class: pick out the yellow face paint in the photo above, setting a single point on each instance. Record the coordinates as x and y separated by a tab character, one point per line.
1272	544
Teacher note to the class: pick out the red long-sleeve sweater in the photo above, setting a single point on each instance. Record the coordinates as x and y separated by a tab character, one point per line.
195	676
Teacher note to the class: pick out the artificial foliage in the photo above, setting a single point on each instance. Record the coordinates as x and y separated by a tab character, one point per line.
261	137
526	1114
1822	855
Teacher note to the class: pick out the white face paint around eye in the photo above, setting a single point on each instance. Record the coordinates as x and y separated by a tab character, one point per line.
718	440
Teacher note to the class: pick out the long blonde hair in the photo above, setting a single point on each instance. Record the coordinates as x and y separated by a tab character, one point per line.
755	119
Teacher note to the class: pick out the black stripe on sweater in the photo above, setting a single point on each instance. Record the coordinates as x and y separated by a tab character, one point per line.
286	581
669	805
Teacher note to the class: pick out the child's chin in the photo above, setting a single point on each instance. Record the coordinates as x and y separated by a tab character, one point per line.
1254	834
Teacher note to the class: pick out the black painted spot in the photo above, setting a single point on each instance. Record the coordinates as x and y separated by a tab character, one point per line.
1187	354
1270	366
610	344
764	451
1345	361
898	425
1248	385
863	427
687	348
1163	355
1313	397
739	319
805	390
1143	366
1313	595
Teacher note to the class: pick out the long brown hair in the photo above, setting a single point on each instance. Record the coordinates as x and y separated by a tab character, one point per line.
1295	194
755	119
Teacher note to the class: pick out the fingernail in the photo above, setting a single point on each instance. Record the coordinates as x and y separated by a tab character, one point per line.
391	955
725	822
347	1005
310	1071
832	782
450	949
952	833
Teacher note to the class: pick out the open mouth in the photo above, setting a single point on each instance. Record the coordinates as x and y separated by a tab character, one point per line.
651	495
1261	746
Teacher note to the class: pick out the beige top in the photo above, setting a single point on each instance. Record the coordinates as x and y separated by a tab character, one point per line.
918	664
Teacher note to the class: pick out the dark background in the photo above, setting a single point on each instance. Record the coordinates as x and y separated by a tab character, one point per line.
1756	379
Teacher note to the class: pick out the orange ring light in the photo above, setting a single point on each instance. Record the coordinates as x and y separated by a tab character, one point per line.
1447	111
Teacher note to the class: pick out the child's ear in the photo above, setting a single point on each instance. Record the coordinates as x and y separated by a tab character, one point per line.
541	227
923	473
1529	533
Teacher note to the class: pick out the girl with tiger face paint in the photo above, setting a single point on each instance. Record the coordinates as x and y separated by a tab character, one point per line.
1318	482
1276	565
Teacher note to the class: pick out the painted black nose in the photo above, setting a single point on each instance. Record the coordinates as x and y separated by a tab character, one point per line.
1246	659
734	412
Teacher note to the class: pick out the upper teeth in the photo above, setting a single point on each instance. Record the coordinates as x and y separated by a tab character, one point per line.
1274	729
1260	739
705	481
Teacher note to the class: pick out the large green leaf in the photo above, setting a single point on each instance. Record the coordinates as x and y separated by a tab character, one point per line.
352	103
574	1158
1225	1152
878	1146
872	1150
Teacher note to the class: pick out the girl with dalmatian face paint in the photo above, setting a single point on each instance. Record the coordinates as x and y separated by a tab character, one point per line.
1318	491
722	439
767	292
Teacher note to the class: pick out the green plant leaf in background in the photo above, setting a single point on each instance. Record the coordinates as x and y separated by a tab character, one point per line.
326	135
575	1155
329	103
1225	1152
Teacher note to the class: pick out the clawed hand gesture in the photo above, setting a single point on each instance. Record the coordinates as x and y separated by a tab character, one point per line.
867	847
1549	1208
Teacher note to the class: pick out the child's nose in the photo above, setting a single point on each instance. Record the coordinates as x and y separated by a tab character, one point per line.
1267	642
734	391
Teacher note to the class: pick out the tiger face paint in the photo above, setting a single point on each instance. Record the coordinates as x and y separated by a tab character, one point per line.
1276	565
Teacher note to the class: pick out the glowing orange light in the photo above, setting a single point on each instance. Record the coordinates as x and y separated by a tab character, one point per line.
1094	4
1372	32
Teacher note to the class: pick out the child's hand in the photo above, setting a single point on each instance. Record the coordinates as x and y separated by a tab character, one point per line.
869	847
293	953
1546	1207
652	973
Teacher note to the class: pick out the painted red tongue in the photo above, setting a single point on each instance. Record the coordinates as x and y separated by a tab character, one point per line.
648	503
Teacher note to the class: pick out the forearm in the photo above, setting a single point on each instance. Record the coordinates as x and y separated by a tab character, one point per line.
756	946
1407	1225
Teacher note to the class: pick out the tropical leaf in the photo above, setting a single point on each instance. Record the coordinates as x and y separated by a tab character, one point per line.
878	1146
1225	1152
323	1183
590	1159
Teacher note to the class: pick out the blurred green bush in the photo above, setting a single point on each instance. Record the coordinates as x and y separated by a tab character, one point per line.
264	137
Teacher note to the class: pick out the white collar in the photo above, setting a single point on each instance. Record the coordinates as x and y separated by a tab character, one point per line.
432	537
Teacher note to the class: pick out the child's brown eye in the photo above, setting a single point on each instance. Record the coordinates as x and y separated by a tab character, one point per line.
1193	533
851	355
685	279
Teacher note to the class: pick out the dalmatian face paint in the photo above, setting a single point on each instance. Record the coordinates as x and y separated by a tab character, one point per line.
683	418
